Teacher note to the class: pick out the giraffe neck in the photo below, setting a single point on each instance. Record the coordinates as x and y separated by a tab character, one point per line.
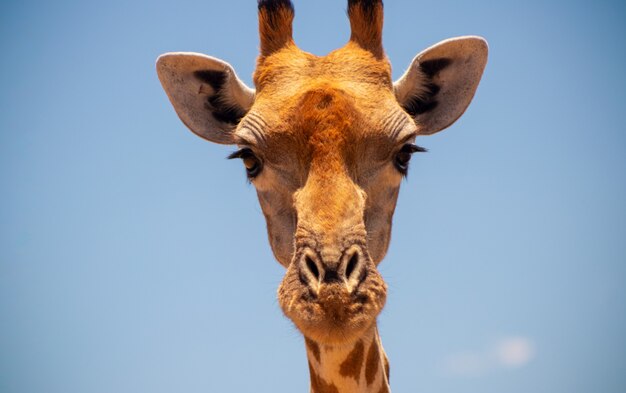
358	367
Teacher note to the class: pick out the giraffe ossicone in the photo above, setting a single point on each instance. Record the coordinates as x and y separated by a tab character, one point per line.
326	141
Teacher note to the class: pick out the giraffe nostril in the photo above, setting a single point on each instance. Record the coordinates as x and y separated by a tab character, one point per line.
348	270
352	263
355	269
312	266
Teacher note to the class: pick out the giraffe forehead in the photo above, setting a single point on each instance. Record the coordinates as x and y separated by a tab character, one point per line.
320	121
326	117
327	121
331	110
320	105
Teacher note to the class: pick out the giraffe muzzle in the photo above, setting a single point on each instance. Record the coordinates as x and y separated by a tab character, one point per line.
348	271
332	296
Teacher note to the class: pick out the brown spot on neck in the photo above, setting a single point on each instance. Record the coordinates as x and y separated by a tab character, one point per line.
318	385
372	362
352	366
313	348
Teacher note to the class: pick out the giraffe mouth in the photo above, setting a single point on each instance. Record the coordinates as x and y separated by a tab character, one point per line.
334	313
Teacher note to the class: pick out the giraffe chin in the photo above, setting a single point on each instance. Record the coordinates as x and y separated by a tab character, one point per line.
333	315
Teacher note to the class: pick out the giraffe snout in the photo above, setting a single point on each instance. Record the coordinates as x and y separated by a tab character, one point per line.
332	294
318	271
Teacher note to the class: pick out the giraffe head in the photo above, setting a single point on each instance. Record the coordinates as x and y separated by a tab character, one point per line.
326	142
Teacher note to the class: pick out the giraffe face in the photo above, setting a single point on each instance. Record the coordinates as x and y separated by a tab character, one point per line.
327	164
326	142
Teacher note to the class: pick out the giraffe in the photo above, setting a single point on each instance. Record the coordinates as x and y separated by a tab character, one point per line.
326	141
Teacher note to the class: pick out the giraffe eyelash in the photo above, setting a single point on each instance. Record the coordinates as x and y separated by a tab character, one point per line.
252	163
403	157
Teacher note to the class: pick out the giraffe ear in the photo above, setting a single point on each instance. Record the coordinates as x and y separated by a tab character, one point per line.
441	82
206	94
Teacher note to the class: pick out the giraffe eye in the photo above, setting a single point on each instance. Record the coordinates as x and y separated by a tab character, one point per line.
250	161
403	157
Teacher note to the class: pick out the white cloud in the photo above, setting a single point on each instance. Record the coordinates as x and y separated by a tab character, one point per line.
510	352
514	351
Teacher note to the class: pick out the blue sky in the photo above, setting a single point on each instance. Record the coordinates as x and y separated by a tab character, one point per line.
133	256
